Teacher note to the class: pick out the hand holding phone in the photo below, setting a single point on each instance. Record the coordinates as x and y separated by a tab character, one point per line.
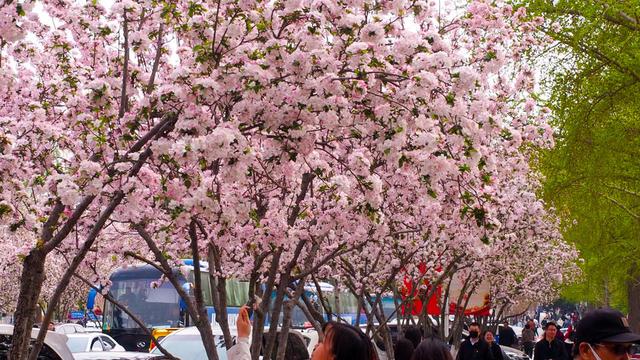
244	324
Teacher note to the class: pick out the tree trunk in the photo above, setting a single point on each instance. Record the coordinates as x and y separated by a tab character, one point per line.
286	321
283	286
633	293
386	334
275	315
219	294
260	315
30	285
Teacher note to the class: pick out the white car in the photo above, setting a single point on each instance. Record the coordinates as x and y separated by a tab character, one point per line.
509	353
114	355
186	344
54	348
92	342
311	337
75	328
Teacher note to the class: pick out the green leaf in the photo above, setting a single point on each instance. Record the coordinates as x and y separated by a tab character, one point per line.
20	10
4	209
451	99
490	55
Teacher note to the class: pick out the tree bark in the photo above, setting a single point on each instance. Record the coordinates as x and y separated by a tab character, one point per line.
202	321
30	285
259	315
219	294
286	321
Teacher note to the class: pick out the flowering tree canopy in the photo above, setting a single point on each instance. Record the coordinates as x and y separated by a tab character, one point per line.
276	137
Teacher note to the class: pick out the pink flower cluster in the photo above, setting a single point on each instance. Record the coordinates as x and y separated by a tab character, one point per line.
383	136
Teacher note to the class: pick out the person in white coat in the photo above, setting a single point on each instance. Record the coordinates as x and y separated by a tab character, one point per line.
241	350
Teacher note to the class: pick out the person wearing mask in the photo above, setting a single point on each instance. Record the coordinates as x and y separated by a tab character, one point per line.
528	339
550	348
507	335
603	334
495	348
474	348
341	342
432	349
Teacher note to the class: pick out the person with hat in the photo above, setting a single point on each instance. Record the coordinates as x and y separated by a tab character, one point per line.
603	334
550	348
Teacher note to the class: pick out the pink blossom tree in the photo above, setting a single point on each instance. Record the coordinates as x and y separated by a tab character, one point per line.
271	138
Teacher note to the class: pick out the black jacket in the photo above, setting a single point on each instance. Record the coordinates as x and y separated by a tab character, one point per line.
554	350
507	336
477	351
496	351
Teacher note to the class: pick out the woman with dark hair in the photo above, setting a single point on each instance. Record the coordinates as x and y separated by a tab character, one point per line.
432	349
344	342
341	342
493	345
403	350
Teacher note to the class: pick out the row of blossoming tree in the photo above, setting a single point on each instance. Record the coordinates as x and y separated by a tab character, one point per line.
284	142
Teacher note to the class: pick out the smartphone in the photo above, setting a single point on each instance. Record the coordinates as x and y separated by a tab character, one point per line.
249	306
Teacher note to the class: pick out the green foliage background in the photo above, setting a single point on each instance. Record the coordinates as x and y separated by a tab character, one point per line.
592	75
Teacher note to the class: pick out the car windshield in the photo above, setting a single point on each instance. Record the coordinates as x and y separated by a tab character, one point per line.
189	347
77	344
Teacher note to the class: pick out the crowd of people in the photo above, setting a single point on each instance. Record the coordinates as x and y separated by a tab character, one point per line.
346	342
602	334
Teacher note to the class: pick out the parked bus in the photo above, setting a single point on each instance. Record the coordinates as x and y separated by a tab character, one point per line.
160	308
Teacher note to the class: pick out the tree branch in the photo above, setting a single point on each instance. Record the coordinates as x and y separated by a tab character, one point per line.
125	71
156	60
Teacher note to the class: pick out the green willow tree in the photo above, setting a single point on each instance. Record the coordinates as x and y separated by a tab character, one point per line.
593	174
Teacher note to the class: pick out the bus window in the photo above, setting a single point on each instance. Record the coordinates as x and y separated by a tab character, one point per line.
237	292
154	306
205	284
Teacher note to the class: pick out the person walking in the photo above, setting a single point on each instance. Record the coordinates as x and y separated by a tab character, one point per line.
528	339
496	351
474	348
534	327
550	348
603	334
507	337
